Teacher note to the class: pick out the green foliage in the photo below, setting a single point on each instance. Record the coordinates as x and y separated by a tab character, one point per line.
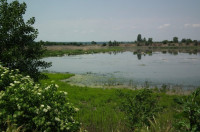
189	116
175	39
188	41
164	88
114	43
100	107
93	42
17	47
165	41
104	44
195	42
47	43
99	111
79	51
139	38
150	41
144	40
13	128
139	108
183	40
163	123
35	107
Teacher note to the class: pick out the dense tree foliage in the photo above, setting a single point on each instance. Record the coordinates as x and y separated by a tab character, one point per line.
114	43
175	39
93	42
17	47
47	43
139	38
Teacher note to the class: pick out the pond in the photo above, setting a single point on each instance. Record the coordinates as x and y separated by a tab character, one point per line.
129	69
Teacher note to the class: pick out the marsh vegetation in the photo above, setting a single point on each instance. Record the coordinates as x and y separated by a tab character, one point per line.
126	87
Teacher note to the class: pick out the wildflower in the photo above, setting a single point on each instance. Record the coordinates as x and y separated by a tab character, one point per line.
76	109
16	81
47	88
45	110
18	106
11	84
56	85
57	119
48	107
42	106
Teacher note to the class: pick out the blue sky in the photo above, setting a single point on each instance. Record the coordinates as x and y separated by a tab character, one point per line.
121	20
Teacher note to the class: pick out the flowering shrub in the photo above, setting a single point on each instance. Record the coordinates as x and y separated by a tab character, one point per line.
34	107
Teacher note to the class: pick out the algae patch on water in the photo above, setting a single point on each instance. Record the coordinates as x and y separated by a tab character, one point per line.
95	81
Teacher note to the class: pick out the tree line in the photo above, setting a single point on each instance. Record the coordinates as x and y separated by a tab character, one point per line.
175	40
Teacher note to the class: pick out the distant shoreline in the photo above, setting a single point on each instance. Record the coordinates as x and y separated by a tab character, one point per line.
61	50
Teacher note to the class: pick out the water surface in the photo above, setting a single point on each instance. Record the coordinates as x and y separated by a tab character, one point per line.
129	69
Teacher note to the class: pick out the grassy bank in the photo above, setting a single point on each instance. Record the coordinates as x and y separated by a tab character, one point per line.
100	108
81	51
77	50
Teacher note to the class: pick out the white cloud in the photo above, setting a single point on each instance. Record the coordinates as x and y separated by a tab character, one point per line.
164	26
187	25
195	25
192	25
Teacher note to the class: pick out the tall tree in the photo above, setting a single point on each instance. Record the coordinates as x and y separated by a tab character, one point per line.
139	38
17	47
183	40
93	42
150	40
144	40
175	39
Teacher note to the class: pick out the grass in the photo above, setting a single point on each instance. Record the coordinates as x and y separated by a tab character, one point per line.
99	108
80	51
145	49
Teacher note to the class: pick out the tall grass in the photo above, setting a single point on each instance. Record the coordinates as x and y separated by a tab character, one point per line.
99	108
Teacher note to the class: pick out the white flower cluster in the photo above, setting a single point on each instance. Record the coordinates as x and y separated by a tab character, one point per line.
42	105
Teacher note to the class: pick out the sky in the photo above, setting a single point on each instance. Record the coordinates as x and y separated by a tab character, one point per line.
120	20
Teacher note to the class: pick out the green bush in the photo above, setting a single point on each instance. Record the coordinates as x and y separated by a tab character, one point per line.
139	108
34	107
189	112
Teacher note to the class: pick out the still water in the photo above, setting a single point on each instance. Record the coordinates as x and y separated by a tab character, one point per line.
127	68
